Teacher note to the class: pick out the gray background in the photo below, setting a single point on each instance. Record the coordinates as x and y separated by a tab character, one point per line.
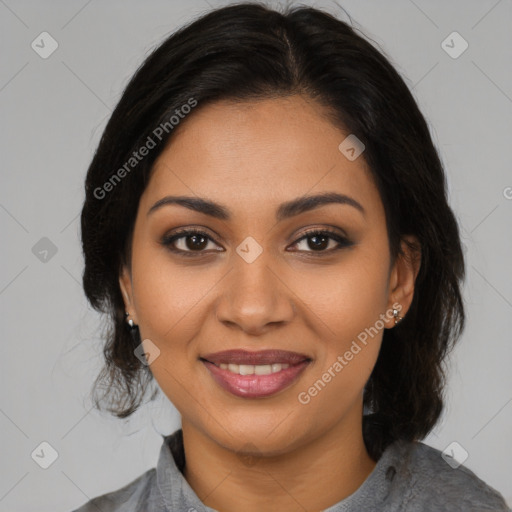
52	113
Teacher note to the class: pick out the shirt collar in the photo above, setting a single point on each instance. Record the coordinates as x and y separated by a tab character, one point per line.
175	490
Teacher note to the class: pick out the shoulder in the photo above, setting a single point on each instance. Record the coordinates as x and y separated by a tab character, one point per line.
130	497
428	481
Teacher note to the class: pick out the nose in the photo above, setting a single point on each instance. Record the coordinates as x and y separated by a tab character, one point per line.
254	297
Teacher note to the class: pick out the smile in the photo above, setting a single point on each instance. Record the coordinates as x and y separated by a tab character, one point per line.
251	369
255	374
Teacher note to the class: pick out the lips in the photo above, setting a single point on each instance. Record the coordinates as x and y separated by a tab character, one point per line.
255	358
255	374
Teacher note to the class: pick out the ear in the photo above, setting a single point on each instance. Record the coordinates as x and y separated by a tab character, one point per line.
402	278
125	283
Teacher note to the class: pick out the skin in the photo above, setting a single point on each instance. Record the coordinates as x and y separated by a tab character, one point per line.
274	452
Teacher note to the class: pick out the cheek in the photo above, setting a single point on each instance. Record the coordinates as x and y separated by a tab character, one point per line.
347	297
347	302
166	295
168	304
351	310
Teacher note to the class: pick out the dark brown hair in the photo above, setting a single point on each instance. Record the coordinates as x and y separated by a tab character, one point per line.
247	52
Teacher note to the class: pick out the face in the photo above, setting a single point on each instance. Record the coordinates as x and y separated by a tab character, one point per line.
259	278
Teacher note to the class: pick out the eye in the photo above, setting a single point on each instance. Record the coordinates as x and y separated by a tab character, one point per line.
319	241
191	241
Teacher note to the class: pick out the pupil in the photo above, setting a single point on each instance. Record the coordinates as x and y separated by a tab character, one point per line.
321	245
194	245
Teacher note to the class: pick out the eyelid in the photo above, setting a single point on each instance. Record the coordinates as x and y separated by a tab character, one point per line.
333	233
342	240
169	239
325	228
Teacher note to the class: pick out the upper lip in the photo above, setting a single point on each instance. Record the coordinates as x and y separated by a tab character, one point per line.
255	358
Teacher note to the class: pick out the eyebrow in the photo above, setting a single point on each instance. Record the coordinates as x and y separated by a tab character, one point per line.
284	211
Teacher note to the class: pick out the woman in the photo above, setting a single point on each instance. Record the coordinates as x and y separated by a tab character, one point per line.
266	225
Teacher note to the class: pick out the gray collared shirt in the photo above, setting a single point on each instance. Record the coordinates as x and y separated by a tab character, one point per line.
409	477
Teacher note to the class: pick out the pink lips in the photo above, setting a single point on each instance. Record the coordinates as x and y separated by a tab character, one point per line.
255	386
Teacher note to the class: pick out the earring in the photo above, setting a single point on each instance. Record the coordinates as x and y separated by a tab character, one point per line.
134	330
396	316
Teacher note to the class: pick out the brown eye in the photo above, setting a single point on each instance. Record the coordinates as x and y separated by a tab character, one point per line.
195	242
187	242
318	241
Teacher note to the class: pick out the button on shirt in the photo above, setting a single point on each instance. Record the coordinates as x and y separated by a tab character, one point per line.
408	477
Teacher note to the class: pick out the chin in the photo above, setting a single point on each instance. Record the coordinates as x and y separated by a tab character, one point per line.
255	438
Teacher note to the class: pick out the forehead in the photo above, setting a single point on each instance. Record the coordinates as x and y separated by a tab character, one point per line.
256	153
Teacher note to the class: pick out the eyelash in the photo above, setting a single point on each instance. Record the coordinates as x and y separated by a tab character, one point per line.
168	240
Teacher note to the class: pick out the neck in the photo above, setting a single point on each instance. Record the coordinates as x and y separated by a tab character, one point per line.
317	475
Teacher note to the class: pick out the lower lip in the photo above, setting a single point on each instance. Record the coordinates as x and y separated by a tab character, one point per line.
255	386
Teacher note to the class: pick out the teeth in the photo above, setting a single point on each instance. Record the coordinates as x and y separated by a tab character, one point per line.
254	369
